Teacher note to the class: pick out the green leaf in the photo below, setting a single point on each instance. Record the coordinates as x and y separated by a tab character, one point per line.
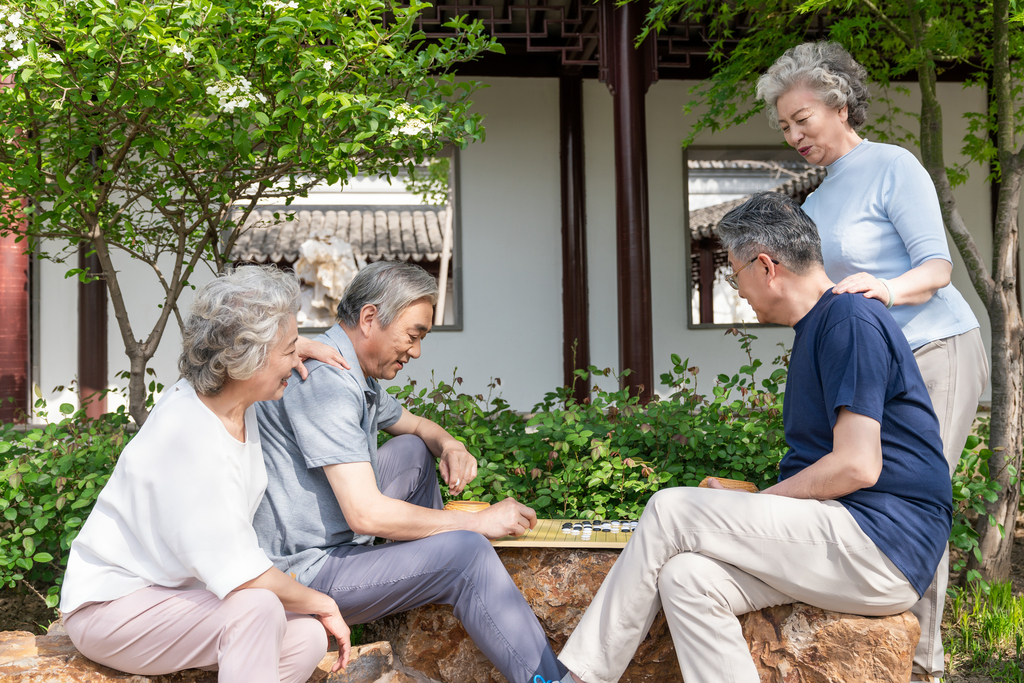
162	148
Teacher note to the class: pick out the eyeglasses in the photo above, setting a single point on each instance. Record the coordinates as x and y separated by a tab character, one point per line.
731	279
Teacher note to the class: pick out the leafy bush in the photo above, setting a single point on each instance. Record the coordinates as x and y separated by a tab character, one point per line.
604	457
974	486
50	479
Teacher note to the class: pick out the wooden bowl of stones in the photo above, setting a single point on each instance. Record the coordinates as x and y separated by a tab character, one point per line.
467	505
731	484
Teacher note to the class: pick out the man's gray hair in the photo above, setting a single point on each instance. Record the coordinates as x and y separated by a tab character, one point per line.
234	323
828	70
391	286
772	223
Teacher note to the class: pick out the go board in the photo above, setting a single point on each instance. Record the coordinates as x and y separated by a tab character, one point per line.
548	534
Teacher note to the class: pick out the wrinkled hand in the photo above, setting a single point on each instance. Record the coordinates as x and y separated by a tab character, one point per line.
507	518
458	467
336	626
308	348
863	282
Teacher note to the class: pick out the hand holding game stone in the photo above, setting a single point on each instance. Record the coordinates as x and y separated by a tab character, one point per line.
458	467
507	518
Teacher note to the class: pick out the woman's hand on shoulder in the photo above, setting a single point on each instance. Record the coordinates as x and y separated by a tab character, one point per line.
871	286
309	348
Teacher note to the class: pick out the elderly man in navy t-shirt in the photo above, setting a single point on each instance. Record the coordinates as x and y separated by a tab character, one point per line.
861	513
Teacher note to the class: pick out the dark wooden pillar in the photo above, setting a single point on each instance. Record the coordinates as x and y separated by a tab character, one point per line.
575	305
630	72
14	322
706	270
92	335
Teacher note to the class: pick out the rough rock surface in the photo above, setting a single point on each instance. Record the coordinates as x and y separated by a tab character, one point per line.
26	658
790	643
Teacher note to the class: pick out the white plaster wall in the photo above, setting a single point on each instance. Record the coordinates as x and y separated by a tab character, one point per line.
58	326
511	250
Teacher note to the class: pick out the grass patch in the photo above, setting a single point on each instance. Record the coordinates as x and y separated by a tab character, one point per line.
985	632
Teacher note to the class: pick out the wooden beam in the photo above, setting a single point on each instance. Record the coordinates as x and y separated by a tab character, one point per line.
575	304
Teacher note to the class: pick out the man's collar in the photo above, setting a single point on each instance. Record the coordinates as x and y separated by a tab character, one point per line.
339	338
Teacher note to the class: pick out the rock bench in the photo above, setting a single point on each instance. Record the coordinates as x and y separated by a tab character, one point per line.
26	658
789	644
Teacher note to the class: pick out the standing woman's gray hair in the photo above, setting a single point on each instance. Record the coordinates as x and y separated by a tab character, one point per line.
234	321
828	70
390	286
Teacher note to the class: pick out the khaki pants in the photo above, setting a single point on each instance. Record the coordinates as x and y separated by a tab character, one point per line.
707	556
247	636
955	371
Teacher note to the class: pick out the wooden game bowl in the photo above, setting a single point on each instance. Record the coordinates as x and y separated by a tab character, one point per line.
732	484
467	505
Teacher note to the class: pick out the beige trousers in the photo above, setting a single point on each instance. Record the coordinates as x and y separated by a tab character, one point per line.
707	556
247	636
955	371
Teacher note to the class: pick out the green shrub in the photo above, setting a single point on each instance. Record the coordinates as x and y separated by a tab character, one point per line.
49	482
606	456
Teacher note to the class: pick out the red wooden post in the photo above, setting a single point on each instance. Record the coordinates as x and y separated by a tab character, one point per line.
14	325
630	73
92	336
575	306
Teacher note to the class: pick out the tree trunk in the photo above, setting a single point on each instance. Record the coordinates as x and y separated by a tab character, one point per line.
997	289
137	388
1005	440
996	542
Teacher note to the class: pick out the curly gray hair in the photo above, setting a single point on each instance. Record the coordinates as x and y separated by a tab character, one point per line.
827	69
391	286
234	322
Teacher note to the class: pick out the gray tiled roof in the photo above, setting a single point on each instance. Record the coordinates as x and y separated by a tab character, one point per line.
375	233
703	221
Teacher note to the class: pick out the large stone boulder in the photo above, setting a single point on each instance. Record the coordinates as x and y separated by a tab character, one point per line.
789	644
26	658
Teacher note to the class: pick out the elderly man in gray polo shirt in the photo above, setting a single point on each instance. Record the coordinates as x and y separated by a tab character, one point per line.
330	490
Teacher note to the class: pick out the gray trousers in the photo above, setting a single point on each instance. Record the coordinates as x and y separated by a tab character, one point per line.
457	568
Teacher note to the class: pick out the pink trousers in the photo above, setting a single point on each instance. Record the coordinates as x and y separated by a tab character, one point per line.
247	636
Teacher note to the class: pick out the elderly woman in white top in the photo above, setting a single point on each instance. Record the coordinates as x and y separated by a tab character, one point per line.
882	234
167	574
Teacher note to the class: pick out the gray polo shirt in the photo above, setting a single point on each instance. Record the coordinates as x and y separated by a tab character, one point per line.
330	418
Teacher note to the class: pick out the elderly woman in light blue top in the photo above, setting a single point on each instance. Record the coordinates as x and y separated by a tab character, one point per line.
882	234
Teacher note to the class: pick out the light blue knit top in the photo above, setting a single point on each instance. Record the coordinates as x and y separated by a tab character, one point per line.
877	212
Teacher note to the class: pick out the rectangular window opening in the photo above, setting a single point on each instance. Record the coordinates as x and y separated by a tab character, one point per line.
718	179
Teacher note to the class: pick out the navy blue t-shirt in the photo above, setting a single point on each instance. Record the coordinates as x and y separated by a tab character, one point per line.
849	352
